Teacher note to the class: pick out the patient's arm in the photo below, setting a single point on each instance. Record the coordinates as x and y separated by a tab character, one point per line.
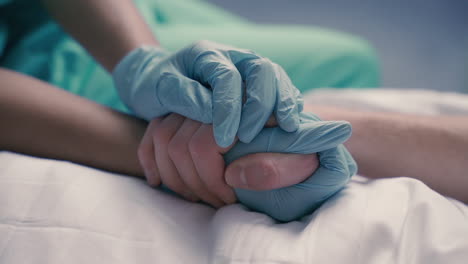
41	120
433	149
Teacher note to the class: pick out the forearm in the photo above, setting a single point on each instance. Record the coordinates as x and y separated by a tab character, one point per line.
41	120
108	29
433	149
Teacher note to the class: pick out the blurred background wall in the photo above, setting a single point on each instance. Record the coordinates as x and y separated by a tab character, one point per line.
421	43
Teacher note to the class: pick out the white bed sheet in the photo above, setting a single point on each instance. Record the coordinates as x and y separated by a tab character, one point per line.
58	212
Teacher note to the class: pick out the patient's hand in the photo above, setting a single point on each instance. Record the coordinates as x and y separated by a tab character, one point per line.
182	154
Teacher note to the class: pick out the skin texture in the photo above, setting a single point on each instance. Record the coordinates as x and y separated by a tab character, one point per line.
108	29
41	120
182	154
433	149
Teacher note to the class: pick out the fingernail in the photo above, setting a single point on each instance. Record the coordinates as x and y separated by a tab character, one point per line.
236	177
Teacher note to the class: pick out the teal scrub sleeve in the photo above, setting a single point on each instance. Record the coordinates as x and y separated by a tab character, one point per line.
313	136
204	82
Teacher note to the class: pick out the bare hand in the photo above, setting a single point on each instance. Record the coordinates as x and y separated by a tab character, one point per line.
182	154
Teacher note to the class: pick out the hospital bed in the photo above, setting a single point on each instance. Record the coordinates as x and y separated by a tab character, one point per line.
59	212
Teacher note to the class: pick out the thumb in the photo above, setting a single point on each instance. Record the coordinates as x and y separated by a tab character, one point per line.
266	171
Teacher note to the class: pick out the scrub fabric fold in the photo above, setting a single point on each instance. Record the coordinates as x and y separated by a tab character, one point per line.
31	43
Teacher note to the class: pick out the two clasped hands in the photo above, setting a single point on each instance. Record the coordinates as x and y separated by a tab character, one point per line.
201	118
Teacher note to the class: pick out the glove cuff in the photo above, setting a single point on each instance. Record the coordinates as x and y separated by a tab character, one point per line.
127	72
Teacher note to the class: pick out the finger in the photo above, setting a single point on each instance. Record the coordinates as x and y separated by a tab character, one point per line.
336	168
271	122
180	155
260	79
185	96
289	102
292	202
146	155
311	137
168	172
267	171
226	84
209	163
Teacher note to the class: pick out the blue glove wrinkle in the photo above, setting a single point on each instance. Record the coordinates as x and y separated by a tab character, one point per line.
313	136
208	65
127	77
300	102
192	98
239	56
261	97
227	105
287	109
290	203
143	83
226	84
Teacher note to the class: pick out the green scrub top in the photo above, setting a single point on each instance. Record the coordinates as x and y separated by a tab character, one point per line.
32	43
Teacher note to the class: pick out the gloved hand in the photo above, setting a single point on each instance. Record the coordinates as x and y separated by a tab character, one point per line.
204	82
313	136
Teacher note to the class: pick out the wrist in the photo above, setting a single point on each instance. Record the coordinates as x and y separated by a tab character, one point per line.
127	75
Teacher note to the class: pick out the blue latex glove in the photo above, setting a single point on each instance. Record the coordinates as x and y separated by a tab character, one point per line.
204	82
313	136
